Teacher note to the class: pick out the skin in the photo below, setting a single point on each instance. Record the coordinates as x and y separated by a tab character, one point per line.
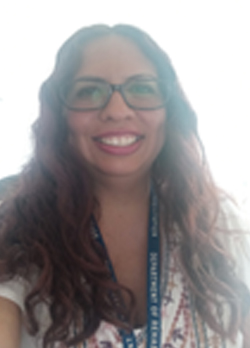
121	59
121	182
10	324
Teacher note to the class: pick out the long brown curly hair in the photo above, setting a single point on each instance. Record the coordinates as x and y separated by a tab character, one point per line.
45	224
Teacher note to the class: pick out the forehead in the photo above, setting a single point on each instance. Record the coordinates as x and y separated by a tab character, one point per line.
114	58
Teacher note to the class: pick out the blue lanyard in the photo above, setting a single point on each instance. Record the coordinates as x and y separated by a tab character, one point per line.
153	279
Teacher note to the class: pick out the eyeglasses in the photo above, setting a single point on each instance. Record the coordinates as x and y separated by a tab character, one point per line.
86	94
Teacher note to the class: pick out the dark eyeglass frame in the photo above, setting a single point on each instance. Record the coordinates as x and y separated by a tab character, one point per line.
115	88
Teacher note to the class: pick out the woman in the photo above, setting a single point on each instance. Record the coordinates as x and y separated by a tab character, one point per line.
116	234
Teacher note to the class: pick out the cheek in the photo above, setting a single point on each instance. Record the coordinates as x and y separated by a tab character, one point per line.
157	125
81	122
78	124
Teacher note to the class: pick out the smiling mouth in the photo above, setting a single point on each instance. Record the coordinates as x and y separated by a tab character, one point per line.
119	141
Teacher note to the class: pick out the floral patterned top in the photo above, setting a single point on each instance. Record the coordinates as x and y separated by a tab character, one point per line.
182	327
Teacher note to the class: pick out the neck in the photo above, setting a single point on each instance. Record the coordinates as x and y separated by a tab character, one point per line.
123	207
122	191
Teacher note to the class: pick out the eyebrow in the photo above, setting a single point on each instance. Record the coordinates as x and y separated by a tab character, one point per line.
98	78
142	76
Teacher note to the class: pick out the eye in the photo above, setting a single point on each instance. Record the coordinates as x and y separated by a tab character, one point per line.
88	92
142	89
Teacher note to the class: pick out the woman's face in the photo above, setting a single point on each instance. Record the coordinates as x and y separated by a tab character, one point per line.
116	140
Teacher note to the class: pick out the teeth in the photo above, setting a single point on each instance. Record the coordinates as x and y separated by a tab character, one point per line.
125	140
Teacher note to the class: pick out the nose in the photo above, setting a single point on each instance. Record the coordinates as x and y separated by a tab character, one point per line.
116	109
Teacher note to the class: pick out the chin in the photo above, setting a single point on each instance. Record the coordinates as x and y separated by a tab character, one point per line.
122	171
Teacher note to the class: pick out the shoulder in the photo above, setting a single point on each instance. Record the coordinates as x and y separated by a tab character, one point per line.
12	297
15	290
10	323
13	294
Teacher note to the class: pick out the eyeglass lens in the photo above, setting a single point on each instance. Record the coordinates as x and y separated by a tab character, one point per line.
87	94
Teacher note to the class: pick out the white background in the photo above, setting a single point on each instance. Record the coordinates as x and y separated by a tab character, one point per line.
207	40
